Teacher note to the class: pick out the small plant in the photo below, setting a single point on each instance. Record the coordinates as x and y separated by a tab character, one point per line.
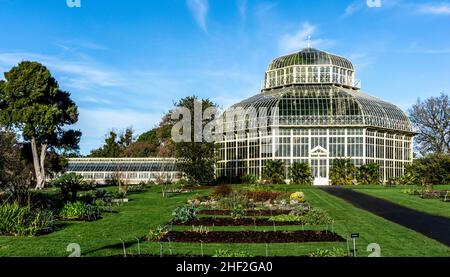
184	214
231	254
141	187
299	210
286	218
80	211
237	212
200	229
157	234
331	253
298	197
262	195
249	179
118	195
411	191
236	198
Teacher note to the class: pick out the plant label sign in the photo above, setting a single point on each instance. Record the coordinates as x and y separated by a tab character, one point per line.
354	235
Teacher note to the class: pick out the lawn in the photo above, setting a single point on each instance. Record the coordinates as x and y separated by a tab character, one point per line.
394	194
148	210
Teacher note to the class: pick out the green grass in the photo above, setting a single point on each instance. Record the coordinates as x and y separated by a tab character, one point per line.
148	210
394	194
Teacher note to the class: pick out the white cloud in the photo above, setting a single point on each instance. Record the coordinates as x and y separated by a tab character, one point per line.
353	8
299	39
199	10
242	8
81	74
435	9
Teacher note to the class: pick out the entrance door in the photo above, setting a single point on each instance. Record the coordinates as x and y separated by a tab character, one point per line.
319	166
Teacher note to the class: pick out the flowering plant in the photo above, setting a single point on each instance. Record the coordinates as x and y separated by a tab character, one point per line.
298	197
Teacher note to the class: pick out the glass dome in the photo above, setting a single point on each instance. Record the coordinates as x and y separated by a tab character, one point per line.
309	66
310	56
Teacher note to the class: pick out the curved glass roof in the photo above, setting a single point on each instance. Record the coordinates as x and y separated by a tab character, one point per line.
324	106
310	56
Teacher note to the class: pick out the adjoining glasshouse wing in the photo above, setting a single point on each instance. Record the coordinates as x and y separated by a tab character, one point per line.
129	170
322	115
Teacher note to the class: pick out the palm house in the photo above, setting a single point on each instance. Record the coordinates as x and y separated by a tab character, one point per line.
321	115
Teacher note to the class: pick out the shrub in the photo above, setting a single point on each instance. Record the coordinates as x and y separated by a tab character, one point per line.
369	174
22	221
249	179
100	193
300	173
184	214
157	234
222	190
274	171
433	169
118	194
231	254
69	184
298	197
316	216
331	253
80	211
342	172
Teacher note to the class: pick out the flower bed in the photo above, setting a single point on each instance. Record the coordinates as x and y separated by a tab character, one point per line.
247	212
252	236
227	221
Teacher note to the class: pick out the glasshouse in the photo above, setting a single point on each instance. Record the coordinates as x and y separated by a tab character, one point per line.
130	170
321	115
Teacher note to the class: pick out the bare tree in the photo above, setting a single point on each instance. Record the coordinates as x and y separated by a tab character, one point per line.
431	119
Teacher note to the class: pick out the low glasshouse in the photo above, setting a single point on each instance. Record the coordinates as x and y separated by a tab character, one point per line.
322	115
130	170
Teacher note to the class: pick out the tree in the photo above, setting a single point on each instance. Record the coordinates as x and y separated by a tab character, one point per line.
139	149
32	103
431	118
300	173
342	172
15	175
195	159
274	171
369	174
115	144
158	141
433	169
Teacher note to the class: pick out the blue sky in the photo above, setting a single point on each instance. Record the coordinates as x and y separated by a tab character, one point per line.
125	62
